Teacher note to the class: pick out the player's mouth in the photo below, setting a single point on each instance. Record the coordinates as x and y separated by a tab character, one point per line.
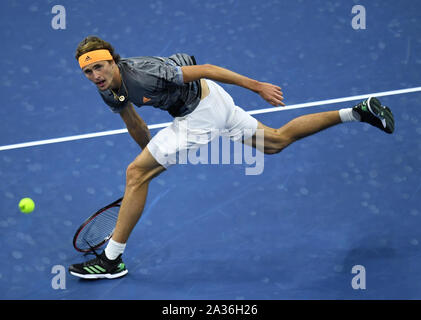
101	84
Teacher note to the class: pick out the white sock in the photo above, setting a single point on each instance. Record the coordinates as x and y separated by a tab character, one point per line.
348	115
114	249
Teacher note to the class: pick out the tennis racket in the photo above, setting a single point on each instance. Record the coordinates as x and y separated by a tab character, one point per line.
97	229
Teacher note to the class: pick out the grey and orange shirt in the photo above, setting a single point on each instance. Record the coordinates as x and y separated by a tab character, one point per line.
155	81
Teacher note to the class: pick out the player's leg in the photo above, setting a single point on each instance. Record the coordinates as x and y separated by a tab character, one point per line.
275	140
370	111
109	263
138	175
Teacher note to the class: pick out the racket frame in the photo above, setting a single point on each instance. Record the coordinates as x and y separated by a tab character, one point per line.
115	203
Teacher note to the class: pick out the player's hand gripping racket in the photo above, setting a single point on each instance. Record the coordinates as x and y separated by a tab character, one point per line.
97	229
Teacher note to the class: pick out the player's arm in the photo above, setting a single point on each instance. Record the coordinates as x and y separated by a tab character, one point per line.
269	92
137	128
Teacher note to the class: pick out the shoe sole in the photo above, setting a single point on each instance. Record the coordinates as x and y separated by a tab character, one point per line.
100	276
375	108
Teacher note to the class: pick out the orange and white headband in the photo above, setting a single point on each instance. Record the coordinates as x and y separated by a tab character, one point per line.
94	56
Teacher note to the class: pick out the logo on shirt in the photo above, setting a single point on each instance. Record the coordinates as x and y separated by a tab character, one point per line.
145	100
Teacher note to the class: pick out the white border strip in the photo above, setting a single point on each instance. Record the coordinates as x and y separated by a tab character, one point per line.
162	125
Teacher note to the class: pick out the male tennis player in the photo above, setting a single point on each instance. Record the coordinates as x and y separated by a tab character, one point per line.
199	105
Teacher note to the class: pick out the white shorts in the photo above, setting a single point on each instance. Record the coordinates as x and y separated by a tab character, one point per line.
216	115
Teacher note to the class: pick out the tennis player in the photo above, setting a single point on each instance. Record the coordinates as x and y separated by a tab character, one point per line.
190	94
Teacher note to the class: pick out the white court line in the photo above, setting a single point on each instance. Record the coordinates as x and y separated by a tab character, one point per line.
162	125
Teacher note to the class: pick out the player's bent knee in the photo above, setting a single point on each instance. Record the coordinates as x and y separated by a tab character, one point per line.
272	151
136	175
133	175
276	142
142	170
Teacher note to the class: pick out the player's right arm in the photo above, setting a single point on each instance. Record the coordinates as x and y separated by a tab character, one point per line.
136	127
269	92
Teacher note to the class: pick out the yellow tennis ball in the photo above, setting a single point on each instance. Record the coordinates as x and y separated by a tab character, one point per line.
26	205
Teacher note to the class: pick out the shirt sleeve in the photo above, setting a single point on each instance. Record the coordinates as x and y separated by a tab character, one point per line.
167	72
179	80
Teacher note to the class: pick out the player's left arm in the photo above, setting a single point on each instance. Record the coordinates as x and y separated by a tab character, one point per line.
269	92
136	126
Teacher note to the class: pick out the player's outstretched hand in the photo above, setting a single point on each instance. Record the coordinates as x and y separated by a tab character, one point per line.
271	93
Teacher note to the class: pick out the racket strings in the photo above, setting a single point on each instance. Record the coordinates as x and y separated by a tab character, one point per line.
98	230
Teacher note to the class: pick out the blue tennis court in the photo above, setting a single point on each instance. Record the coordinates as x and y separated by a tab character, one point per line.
348	196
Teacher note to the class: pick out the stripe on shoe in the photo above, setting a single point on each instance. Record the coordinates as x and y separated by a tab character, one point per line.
94	269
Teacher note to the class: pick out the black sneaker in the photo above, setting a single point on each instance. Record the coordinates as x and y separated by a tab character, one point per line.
99	268
372	112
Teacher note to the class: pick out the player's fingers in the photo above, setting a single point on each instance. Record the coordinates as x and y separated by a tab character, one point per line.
271	102
280	100
278	96
277	90
276	102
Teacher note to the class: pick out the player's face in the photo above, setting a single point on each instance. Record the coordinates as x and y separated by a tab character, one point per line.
101	73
